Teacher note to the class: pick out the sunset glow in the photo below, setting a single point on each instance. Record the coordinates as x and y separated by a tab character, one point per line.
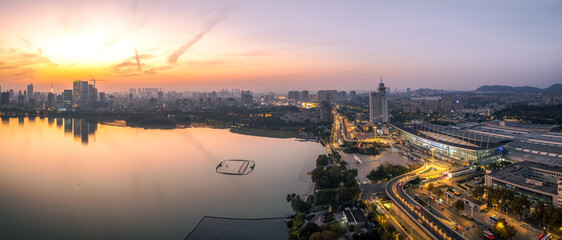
255	44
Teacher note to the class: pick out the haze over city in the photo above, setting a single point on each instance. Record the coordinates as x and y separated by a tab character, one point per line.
266	45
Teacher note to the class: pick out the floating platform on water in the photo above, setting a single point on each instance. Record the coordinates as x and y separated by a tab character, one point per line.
236	167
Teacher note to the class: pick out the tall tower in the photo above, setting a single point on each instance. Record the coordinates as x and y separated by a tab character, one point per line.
378	105
29	91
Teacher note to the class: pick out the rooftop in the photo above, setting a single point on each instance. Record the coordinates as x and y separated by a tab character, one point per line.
475	201
453	136
524	144
355	215
517	174
520	125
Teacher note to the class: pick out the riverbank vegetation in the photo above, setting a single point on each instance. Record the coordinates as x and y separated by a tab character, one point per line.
265	132
387	171
336	186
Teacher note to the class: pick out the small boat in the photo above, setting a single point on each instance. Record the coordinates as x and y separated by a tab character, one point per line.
357	159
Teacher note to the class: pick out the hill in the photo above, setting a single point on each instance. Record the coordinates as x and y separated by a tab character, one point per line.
555	88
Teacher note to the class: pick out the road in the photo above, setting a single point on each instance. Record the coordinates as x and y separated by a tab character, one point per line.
449	214
437	221
434	227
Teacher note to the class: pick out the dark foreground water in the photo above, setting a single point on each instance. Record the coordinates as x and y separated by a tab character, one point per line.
234	229
74	179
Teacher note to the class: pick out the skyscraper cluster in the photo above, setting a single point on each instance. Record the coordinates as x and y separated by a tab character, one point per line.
84	95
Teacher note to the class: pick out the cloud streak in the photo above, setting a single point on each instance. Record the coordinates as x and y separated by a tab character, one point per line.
138	59
173	58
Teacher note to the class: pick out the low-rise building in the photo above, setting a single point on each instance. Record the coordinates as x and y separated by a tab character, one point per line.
536	181
475	203
354	217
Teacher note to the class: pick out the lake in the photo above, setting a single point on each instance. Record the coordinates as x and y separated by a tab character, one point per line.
75	179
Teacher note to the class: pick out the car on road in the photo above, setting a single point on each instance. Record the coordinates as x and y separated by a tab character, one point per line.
488	234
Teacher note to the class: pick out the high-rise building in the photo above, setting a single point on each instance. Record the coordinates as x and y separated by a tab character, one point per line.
5	98
304	96
81	96
329	96
378	105
93	95
293	95
20	99
160	96
29	91
76	93
246	98
296	95
325	111
67	99
50	99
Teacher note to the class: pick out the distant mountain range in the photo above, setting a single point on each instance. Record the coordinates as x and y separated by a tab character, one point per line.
555	88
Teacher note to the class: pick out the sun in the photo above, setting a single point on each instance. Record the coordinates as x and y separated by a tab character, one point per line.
86	48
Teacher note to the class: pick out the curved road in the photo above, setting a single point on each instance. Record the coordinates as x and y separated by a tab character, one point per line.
433	226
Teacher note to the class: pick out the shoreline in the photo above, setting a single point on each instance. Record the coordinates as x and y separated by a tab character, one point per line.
264	132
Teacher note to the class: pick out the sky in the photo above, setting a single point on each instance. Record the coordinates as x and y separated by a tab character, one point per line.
266	45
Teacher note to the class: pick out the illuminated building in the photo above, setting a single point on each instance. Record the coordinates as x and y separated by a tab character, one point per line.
80	94
450	143
536	181
67	99
378	105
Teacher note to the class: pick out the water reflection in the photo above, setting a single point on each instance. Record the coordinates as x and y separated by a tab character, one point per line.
59	122
84	128
68	125
81	129
133	183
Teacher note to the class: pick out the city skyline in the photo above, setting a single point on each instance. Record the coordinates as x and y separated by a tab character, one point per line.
265	46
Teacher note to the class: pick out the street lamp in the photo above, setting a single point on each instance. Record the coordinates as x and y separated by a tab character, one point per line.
433	154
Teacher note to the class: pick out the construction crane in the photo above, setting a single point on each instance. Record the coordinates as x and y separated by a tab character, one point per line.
94	80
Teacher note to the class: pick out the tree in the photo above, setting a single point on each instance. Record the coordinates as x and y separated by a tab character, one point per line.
429	186
322	161
299	205
438	192
479	191
417	180
505	230
294	231
336	228
308	229
459	205
317	174
324	235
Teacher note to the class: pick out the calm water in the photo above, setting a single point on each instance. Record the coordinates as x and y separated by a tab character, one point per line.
72	179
